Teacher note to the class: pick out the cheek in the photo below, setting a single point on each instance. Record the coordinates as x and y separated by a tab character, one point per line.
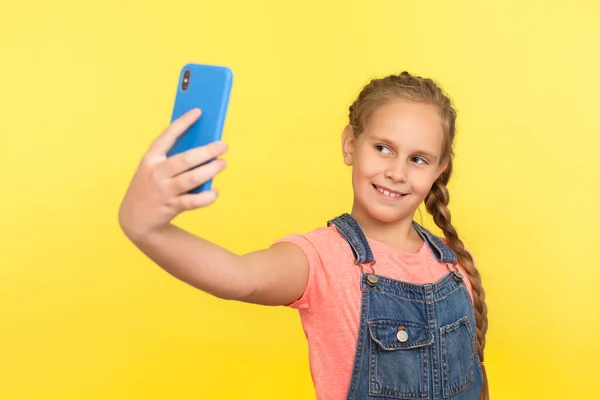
364	168
422	182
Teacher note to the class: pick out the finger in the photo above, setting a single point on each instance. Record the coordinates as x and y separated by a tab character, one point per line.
187	181
187	160
188	202
165	141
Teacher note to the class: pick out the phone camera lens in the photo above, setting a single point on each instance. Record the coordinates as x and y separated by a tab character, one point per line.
186	80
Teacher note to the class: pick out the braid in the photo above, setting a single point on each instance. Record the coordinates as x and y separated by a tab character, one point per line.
436	202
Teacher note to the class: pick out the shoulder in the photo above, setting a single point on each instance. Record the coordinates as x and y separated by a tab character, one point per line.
447	243
322	240
323	249
322	234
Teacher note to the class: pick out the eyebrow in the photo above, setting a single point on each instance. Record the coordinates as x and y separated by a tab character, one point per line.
387	141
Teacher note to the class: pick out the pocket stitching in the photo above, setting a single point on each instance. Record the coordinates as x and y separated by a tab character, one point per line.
452	389
421	346
428	340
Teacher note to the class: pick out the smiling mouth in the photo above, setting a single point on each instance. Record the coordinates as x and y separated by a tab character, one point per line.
389	193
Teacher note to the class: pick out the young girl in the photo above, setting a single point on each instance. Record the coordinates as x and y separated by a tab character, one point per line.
390	311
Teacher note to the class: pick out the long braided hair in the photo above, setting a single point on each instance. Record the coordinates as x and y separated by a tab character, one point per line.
415	88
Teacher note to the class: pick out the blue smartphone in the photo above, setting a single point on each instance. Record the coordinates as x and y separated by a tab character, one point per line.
206	87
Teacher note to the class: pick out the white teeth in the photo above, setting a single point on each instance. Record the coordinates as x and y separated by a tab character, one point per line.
388	193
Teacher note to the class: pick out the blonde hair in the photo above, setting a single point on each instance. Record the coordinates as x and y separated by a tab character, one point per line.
415	88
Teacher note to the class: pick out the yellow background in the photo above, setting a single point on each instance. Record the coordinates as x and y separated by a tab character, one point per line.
86	86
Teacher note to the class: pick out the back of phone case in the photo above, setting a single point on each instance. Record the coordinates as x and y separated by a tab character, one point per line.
206	87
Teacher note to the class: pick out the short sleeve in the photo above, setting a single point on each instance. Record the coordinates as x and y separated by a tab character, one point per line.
313	291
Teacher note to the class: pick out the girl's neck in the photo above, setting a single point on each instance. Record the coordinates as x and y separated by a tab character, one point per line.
399	234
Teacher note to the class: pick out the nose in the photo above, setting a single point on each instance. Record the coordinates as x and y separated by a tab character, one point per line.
396	171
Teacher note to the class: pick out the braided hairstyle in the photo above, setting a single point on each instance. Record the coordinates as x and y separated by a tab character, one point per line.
415	88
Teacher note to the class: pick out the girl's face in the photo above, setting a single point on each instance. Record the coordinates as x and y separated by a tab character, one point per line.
396	159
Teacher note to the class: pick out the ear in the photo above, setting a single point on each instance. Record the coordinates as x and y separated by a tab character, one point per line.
442	167
348	145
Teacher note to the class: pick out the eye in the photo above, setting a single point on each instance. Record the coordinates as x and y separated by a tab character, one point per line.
383	149
419	160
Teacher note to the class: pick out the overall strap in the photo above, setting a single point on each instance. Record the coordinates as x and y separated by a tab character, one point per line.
351	231
440	251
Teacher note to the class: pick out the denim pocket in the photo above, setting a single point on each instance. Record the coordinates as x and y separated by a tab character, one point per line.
458	355
399	363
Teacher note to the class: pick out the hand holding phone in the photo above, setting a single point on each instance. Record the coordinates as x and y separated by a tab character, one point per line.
176	173
160	188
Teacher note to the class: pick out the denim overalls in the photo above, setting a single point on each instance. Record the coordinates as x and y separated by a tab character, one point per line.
414	341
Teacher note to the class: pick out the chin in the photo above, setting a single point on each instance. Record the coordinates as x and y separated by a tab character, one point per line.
388	216
385	214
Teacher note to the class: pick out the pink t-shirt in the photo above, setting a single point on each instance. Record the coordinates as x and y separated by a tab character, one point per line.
330	306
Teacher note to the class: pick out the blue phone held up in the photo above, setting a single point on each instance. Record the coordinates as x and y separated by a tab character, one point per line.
206	87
